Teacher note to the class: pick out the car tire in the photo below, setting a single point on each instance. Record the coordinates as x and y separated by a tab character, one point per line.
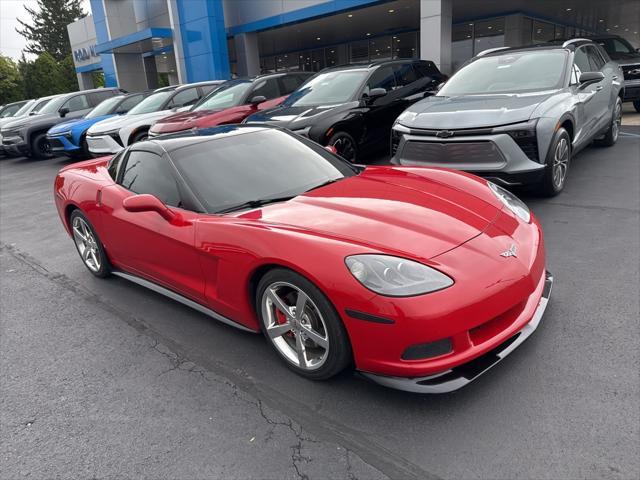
611	136
317	339
556	165
139	137
636	105
89	246
345	146
84	148
40	148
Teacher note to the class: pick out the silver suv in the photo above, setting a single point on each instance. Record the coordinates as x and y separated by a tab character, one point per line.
516	115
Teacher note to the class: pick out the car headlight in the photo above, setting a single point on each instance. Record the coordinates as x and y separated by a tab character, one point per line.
395	276
512	202
518	130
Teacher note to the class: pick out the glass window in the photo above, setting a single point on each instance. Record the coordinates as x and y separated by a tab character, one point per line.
10	110
185	97
105	108
359	51
98	97
380	48
581	60
488	34
329	88
76	103
618	48
289	83
509	73
462	44
52	105
152	103
336	55
226	172
267	88
114	164
405	74
595	59
230	94
26	108
560	31
129	103
207	89
383	77
146	172
543	31
317	60
426	68
404	45
268	64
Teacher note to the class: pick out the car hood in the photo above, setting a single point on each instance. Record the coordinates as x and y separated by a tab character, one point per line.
392	210
81	123
7	120
627	59
31	120
472	111
122	121
298	117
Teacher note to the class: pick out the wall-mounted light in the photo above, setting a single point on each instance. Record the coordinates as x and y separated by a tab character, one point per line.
350	15
391	10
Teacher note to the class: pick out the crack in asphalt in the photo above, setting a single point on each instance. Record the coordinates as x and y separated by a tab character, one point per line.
372	454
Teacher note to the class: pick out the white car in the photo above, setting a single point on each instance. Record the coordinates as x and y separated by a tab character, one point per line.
113	134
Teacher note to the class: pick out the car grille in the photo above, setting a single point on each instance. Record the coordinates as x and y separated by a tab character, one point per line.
451	152
55	143
10	133
627	69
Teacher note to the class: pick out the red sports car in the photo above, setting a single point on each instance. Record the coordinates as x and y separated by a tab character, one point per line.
421	278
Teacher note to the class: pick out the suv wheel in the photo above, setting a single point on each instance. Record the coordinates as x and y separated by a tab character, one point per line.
345	145
40	147
556	165
611	136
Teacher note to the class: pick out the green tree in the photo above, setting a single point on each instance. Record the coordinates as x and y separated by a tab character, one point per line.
46	76
46	31
10	81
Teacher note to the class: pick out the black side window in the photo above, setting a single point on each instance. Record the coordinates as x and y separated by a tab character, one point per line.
129	102
383	77
581	60
405	74
266	88
426	69
114	165
207	89
595	59
289	83
79	102
185	97
146	172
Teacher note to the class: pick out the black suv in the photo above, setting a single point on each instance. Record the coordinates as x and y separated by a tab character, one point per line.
353	107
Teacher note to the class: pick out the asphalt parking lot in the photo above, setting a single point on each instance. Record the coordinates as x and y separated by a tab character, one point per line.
102	378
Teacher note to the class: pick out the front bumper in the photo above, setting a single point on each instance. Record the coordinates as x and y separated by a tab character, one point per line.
62	143
14	144
103	144
459	376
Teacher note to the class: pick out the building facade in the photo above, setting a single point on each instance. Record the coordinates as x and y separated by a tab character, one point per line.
142	44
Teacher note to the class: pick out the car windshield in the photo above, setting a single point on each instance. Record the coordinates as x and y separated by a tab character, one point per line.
9	111
227	173
41	104
228	95
25	108
618	48
152	103
516	72
105	108
53	105
328	88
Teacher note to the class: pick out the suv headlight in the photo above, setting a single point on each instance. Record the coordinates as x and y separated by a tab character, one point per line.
518	130
395	276
512	202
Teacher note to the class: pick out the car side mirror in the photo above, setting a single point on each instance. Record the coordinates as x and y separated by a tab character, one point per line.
257	100
148	203
587	78
63	112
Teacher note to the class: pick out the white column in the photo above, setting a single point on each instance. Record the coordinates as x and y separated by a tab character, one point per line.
436	17
247	54
174	20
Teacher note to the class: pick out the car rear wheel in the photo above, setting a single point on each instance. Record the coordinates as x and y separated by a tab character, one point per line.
302	325
40	147
557	165
345	146
611	137
89	245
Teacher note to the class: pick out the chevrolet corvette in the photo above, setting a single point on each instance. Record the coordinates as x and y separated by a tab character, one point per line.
419	278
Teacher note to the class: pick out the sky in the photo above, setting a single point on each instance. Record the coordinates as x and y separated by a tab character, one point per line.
11	42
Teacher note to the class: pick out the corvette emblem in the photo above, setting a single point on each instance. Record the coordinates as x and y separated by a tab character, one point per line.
512	252
444	134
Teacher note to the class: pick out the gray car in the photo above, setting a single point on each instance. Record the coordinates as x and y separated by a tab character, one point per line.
516	115
28	135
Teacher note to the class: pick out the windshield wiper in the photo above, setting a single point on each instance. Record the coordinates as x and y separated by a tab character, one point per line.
255	204
323	184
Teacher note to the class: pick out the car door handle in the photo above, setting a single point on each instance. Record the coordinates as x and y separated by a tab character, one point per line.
598	88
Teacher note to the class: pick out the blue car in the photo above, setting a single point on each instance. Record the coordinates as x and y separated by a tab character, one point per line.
69	137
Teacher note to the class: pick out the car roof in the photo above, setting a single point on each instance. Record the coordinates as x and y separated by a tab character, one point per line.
374	64
553	45
197	84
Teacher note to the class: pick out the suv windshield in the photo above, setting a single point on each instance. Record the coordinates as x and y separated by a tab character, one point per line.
514	72
53	105
152	103
105	108
618	48
229	172
25	108
338	86
228	95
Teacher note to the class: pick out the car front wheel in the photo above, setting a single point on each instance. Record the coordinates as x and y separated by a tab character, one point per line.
557	165
345	146
40	147
611	137
89	245
302	325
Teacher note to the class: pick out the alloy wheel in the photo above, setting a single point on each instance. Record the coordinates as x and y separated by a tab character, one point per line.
295	325
560	163
44	147
345	148
617	121
86	244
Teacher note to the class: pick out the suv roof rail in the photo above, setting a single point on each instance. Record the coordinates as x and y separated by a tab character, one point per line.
491	50
574	40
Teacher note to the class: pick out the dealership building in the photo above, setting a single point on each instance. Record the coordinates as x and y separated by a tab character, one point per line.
142	44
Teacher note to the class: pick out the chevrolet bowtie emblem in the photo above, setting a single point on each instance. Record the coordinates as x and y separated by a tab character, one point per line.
512	252
445	134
